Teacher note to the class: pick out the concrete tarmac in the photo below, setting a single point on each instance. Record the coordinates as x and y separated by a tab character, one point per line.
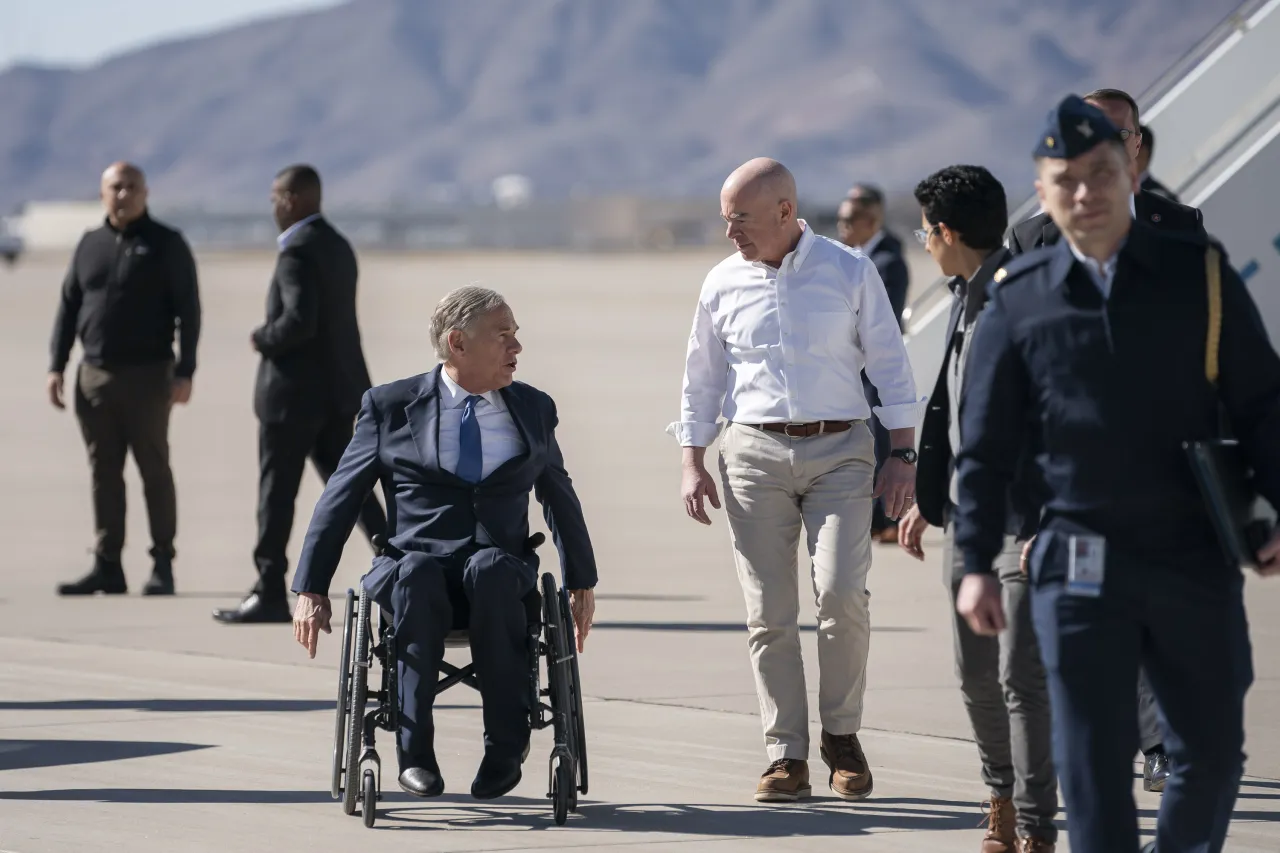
141	725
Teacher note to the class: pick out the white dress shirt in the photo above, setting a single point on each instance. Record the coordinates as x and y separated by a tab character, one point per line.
1103	273
788	345
499	438
287	234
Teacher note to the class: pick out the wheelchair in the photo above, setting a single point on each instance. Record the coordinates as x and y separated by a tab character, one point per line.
357	769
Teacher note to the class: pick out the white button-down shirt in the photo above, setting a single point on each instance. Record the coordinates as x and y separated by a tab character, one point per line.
789	345
1103	273
282	240
499	438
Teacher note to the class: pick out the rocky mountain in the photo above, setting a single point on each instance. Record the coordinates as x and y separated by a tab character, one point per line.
408	101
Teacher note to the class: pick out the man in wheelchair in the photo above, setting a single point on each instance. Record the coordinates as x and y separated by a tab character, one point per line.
457	451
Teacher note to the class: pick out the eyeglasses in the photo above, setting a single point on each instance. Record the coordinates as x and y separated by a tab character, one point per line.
1125	133
923	234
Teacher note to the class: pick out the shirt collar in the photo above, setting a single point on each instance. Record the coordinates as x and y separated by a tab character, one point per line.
453	395
1102	272
801	251
287	234
1133	208
870	246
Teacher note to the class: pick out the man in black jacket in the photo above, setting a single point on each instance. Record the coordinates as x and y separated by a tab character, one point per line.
311	378
1002	678
860	224
1144	205
1145	153
130	283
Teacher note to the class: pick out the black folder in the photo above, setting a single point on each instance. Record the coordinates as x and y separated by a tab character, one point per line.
1226	483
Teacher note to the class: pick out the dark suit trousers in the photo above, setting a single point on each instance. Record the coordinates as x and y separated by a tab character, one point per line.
483	592
283	449
124	410
1188	630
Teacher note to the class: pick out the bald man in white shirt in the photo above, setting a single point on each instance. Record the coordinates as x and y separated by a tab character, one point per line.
781	334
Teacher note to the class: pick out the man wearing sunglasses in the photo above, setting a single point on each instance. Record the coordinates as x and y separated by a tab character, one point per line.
1144	206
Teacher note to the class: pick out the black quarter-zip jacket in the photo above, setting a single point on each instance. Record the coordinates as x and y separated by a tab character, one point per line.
125	294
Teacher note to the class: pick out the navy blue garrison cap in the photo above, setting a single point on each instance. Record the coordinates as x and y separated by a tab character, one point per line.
1072	128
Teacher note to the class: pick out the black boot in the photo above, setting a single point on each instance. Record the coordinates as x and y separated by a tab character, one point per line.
106	577
161	582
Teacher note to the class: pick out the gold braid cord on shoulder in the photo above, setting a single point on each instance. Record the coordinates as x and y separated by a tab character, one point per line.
1213	273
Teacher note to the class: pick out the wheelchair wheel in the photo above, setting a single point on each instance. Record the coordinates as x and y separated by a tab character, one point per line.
563	799
575	687
344	694
359	696
369	805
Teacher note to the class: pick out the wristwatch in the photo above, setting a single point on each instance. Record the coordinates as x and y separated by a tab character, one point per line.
906	454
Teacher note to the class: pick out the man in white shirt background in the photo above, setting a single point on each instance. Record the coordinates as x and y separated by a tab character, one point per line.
782	331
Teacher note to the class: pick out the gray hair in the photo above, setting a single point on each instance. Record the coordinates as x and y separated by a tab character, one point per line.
459	310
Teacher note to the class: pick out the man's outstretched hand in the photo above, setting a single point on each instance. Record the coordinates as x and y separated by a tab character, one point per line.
310	617
583	604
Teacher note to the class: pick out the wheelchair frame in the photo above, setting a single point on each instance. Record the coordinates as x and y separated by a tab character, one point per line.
357	768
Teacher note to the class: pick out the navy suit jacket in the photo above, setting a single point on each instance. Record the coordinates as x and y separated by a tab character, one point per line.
433	511
887	256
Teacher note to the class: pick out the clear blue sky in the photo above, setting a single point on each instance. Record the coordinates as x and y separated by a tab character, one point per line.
81	32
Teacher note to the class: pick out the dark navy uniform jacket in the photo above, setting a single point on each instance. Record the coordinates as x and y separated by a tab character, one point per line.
430	509
1113	389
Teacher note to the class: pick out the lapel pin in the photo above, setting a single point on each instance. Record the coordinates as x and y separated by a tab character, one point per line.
1155	217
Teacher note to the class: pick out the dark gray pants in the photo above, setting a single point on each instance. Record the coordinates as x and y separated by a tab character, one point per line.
1002	680
121	411
1150	735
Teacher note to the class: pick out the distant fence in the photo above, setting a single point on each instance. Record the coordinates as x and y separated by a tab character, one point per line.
601	224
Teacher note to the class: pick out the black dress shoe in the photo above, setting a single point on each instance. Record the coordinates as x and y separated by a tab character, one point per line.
161	581
106	577
498	775
256	609
422	781
1155	772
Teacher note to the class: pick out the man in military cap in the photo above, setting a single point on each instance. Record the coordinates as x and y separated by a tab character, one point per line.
1145	205
1099	342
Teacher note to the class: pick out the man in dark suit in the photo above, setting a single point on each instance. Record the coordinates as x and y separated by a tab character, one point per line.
310	380
1145	153
860	224
1145	206
1002	679
457	451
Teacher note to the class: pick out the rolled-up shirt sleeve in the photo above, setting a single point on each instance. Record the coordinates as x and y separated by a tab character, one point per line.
885	354
706	378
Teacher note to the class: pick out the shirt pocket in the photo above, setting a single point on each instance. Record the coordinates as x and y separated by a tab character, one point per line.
830	331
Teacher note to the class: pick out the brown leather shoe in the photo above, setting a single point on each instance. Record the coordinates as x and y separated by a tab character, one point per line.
850	777
1001	821
1034	845
786	780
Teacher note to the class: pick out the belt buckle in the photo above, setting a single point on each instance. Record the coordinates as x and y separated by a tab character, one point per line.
786	430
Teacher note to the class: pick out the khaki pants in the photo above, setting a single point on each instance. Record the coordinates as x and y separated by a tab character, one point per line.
773	484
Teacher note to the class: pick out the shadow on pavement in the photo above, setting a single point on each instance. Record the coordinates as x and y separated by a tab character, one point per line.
176	706
26	754
717	627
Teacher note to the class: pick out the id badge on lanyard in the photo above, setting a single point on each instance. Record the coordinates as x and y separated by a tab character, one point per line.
1086	566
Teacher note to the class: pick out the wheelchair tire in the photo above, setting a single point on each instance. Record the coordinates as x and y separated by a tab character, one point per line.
369	803
344	694
575	687
359	696
562	792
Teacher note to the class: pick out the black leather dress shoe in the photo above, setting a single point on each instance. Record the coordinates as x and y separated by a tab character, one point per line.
1155	772
422	781
105	577
256	609
161	581
498	775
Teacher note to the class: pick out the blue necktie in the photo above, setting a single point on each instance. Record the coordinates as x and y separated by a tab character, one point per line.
470	455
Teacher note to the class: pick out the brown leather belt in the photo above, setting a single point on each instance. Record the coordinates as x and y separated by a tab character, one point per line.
805	430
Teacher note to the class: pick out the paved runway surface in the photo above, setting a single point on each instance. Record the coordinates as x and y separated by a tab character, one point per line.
141	725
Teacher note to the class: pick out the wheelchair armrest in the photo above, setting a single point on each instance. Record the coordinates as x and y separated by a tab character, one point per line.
379	543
